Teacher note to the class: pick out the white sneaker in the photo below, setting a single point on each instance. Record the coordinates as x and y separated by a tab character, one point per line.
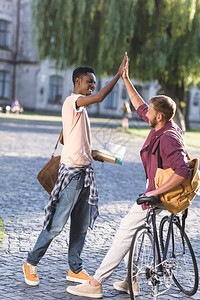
86	290
122	286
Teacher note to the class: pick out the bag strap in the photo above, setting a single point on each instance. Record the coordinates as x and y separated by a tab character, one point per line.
159	159
60	135
158	149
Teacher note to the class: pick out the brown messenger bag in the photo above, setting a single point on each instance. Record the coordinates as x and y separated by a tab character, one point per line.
49	173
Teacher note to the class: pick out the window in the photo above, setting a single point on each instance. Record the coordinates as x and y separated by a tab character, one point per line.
139	89
4	34
111	100
196	99
55	89
124	93
4	84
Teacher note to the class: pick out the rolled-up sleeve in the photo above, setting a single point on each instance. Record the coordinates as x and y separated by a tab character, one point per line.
174	156
141	111
80	108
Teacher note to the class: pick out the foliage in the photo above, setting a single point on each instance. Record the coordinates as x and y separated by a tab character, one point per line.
161	36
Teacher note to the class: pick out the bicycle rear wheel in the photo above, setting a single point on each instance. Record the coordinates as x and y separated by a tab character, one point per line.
141	261
181	254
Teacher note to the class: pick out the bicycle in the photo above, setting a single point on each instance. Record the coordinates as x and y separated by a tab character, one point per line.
154	273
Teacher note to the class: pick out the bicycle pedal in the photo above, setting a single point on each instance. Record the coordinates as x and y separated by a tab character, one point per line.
149	283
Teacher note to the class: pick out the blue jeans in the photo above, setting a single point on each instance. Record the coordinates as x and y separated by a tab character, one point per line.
72	201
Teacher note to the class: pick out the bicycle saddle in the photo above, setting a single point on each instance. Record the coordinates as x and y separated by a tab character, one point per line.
150	200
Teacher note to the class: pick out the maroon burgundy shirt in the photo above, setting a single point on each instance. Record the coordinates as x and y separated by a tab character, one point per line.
172	150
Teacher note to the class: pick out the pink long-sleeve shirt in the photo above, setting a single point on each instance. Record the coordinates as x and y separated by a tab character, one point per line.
172	150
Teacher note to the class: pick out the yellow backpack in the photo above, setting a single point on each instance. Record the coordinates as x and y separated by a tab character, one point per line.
180	197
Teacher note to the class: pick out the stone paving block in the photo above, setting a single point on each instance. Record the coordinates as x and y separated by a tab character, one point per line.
23	152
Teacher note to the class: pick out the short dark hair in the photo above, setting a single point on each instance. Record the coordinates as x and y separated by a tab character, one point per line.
80	71
165	105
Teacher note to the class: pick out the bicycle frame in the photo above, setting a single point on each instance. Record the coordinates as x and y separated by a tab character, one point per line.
158	262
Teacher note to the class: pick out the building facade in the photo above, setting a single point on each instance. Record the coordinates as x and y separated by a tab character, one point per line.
38	85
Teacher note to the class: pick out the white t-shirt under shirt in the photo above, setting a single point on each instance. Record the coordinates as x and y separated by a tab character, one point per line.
76	151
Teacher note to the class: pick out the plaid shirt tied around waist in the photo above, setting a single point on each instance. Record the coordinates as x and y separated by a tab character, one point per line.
65	174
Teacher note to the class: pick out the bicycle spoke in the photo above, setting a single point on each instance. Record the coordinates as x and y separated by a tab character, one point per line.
141	261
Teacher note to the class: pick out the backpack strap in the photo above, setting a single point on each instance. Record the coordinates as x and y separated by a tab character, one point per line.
173	131
158	149
159	159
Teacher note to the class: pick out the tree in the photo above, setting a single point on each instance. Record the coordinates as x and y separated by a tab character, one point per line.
162	38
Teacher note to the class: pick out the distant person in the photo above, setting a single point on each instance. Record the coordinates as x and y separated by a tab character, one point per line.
7	109
127	114
16	107
74	193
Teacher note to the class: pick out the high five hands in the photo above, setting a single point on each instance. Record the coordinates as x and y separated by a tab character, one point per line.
123	64
125	70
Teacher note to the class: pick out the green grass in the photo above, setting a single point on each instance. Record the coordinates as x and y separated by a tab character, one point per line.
142	131
2	231
192	137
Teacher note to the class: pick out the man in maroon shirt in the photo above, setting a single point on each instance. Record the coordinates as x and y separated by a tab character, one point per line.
159	115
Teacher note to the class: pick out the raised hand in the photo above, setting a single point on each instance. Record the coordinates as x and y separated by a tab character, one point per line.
125	71
123	64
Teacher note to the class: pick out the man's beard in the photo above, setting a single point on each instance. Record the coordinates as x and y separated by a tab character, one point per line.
153	123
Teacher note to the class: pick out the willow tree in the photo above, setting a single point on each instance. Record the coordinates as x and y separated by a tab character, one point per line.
162	38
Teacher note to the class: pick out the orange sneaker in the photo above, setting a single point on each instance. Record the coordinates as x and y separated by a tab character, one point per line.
30	274
80	277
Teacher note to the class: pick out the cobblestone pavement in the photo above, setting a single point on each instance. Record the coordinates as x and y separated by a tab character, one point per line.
25	146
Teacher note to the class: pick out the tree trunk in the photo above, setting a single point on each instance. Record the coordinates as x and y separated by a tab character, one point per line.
99	86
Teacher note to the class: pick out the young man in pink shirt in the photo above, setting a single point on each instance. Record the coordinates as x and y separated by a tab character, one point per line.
74	193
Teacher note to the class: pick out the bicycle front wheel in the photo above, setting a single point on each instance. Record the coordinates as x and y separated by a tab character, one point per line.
141	261
181	254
